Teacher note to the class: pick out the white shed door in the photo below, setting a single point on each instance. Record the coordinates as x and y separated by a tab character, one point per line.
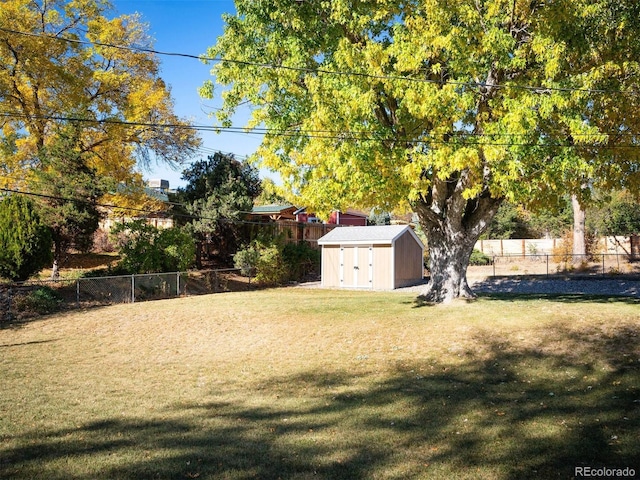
356	266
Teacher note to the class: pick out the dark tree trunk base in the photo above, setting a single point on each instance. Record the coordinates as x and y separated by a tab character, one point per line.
446	292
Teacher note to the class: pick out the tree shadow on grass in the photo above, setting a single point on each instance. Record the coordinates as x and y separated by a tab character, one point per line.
561	298
504	411
566	289
511	293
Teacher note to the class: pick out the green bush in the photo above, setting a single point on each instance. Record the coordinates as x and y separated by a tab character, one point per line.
247	260
25	242
148	249
478	258
264	259
301	260
43	300
274	263
271	269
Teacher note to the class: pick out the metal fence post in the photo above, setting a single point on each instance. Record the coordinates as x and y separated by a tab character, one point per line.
77	292
133	289
547	255
494	266
177	284
9	302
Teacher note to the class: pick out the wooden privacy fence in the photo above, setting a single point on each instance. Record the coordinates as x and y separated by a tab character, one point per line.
296	232
545	246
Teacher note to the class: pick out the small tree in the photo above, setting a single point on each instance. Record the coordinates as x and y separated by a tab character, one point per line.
25	242
247	260
70	190
263	257
148	249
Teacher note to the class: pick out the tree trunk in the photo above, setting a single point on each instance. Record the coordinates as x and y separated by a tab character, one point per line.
57	255
579	237
199	254
453	225
448	262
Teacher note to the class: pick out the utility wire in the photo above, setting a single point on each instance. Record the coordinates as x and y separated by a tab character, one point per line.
77	200
204	58
347	136
340	134
321	134
147	212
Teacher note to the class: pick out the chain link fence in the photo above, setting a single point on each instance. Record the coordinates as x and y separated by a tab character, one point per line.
24	299
566	265
21	300
131	288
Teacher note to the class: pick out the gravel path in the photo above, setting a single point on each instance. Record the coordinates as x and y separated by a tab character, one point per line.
627	287
590	286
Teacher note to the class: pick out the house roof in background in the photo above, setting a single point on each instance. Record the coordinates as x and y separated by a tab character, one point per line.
381	234
355	213
152	192
270	209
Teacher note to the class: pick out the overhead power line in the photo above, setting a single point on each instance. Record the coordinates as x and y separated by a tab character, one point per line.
146	212
77	200
204	58
461	138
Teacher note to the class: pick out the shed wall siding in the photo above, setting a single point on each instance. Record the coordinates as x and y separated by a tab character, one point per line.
331	266
408	261
382	267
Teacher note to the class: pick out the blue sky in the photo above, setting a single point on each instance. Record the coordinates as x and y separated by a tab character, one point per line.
189	26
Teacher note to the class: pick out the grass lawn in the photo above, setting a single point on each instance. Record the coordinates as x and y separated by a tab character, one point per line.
296	383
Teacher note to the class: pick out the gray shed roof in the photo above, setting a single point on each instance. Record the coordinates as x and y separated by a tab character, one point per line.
382	234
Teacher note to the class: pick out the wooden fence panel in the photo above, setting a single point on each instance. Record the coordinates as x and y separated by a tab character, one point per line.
296	232
545	246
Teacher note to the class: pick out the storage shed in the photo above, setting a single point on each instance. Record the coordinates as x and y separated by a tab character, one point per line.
377	257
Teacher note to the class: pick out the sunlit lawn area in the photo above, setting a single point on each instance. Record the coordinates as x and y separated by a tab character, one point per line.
303	383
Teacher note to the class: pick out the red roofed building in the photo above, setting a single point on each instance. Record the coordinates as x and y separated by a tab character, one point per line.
350	217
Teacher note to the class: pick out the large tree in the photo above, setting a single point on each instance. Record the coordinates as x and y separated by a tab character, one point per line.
446	106
67	61
219	193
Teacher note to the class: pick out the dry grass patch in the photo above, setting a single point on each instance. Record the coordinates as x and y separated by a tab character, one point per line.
294	383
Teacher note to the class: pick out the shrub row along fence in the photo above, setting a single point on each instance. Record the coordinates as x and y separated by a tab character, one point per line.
42	296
